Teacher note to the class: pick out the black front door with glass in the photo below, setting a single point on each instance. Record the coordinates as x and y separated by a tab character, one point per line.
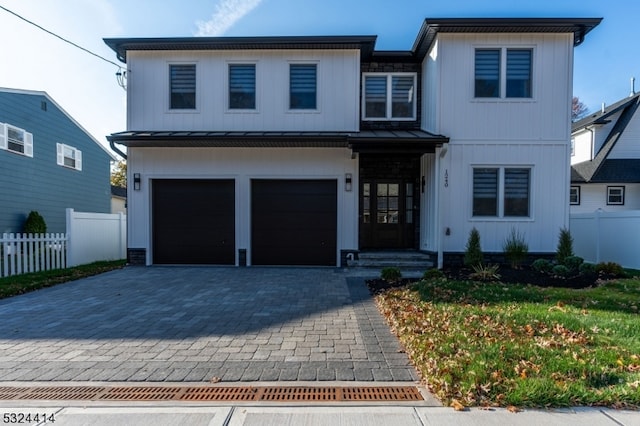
388	213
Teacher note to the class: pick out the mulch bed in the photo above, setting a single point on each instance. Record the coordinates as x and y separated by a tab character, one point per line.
508	275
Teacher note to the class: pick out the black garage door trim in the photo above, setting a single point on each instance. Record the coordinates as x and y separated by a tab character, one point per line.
193	221
294	222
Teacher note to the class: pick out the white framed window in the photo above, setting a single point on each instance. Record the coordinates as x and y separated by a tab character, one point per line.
303	86
501	192
68	156
16	140
182	86
389	96
242	86
503	73
574	195
615	195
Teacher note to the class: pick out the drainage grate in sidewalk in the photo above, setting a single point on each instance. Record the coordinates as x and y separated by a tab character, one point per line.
214	393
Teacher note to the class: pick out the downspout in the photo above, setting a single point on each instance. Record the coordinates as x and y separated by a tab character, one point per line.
117	150
440	242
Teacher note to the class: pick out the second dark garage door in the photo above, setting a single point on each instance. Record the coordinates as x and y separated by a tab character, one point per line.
294	222
193	221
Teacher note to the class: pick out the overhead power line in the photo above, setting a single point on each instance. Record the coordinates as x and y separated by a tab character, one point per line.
60	37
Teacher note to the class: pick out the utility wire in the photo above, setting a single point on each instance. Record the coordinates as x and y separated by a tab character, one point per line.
61	38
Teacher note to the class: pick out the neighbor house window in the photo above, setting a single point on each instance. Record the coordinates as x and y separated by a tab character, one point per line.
16	140
615	195
493	80
182	86
303	86
574	195
242	86
69	156
501	191
389	96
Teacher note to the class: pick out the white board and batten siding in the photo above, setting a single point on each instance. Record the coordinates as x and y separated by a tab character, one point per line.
532	133
242	165
338	86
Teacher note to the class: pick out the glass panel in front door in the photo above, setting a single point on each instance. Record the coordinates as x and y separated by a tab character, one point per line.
388	197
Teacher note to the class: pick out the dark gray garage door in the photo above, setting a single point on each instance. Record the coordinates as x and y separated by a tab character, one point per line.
193	221
294	222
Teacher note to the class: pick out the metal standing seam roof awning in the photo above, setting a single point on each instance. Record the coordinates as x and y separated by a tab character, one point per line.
382	141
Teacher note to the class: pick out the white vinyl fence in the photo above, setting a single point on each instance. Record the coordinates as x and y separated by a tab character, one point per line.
90	237
607	237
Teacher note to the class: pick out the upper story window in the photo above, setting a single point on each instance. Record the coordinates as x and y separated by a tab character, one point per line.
303	86
69	156
242	86
182	81
501	191
503	73
16	140
389	96
615	195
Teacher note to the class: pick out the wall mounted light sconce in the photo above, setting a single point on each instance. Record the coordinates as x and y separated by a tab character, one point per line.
121	77
136	181
348	182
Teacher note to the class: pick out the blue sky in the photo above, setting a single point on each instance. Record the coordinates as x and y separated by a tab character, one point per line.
86	87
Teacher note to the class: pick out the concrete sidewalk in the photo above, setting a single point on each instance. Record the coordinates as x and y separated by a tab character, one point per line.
236	415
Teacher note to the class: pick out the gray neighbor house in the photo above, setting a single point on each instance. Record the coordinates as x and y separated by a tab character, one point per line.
48	163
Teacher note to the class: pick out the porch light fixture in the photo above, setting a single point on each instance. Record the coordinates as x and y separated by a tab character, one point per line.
136	181
121	77
348	182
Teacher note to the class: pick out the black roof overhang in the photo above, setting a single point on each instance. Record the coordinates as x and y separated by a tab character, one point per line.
406	142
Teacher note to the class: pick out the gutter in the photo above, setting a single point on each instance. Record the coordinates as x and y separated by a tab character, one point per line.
440	242
117	150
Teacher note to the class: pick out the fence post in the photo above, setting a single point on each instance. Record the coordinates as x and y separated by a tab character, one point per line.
70	254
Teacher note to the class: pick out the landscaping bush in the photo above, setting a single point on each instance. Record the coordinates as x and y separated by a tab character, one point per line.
542	265
473	255
391	274
35	224
573	262
560	271
587	268
485	273
565	246
432	274
515	248
610	268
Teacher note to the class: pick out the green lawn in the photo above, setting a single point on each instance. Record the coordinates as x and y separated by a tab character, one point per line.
19	284
504	344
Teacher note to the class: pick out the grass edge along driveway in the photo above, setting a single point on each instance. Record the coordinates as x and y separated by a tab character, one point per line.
494	344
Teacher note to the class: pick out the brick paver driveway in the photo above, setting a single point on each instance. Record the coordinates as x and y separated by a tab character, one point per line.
194	324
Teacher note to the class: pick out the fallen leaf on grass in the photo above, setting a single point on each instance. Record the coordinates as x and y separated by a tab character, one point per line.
513	409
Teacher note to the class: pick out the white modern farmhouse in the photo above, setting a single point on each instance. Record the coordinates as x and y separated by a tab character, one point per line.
312	150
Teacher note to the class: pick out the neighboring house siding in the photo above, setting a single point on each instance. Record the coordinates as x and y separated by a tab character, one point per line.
582	147
338	87
242	165
39	183
628	147
594	196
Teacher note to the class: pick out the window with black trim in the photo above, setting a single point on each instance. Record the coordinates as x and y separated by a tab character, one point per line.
615	195
574	195
182	82
389	96
242	86
503	73
303	86
16	140
501	191
68	156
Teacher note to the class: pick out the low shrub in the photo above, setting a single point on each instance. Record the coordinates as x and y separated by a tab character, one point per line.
391	274
473	252
485	273
573	262
542	265
587	268
432	274
610	268
515	248
35	223
560	271
565	246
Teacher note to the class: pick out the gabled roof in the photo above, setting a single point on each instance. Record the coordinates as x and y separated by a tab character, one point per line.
600	168
50	99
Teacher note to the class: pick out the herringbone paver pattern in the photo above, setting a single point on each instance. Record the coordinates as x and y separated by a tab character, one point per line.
196	324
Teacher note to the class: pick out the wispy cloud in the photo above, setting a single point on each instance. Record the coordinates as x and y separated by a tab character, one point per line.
226	14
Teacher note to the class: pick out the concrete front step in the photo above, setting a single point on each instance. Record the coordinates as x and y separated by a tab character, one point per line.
403	260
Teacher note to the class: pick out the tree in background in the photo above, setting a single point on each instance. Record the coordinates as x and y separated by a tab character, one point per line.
119	175
578	109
